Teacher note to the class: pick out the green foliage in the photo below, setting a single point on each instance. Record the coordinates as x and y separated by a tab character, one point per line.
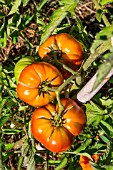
104	2
102	72
24	25
15	7
57	17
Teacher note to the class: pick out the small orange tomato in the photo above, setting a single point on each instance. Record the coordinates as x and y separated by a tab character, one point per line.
34	82
85	161
71	49
56	132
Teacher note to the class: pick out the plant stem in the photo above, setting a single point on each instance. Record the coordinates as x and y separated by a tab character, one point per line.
104	18
101	49
59	89
61	64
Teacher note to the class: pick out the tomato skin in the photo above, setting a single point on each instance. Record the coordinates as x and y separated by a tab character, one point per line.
71	49
46	46
74	116
57	138
29	82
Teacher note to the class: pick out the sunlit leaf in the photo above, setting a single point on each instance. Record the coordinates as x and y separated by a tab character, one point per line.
99	14
107	125
94	113
20	65
62	164
10	131
83	146
25	2
43	2
106	101
104	2
2	103
15	7
103	71
56	18
8	146
105	33
4	119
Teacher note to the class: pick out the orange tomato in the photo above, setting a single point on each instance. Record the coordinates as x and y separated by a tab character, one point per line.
71	49
56	133
34	81
85	161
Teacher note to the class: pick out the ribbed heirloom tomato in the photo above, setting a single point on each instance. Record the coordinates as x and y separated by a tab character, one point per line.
34	81
56	132
71	49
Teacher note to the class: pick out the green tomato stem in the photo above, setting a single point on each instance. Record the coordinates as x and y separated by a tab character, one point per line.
59	89
100	50
62	65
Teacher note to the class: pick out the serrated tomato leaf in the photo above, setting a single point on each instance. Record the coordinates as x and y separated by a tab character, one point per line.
56	18
15	7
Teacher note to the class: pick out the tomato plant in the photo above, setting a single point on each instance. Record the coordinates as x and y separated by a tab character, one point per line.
70	49
56	131
34	82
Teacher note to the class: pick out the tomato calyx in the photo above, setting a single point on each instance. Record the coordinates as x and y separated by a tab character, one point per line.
57	120
43	87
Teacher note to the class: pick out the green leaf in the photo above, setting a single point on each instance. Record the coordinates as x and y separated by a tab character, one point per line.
8	146
20	65
10	131
105	101
102	72
107	125
39	159
93	108
62	164
3	41
99	14
94	113
20	161
108	167
4	119
96	43
2	15
5	155
83	146
53	162
65	2
55	20
105	33
104	138
15	7
25	2
43	2
104	2
2	103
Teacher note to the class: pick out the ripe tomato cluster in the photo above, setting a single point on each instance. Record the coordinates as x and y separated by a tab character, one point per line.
37	86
